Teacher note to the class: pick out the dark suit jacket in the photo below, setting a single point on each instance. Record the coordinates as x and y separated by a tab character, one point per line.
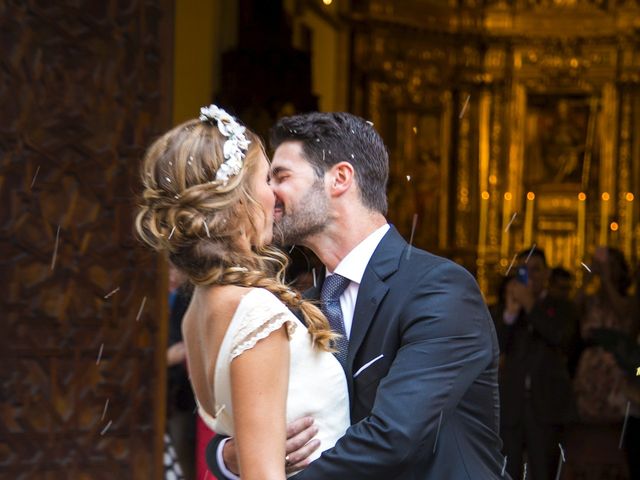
536	345
429	408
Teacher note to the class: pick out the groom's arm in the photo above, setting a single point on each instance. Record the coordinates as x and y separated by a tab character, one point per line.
446	343
215	461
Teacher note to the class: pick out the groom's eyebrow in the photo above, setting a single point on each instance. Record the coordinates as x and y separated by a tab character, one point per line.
278	170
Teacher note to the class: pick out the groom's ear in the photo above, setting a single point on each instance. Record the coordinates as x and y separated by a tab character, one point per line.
341	178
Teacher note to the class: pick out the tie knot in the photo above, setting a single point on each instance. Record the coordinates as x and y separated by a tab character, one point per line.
333	287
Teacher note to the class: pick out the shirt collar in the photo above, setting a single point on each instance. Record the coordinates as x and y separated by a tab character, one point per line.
353	265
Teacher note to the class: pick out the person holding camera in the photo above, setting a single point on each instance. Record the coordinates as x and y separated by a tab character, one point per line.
535	331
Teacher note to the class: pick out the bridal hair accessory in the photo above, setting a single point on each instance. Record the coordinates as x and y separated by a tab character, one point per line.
234	147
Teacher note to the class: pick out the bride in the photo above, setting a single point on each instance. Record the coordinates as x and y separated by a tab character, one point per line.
254	365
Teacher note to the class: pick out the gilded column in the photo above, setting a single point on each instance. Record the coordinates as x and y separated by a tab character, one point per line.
515	166
483	184
608	127
495	176
445	142
464	173
625	200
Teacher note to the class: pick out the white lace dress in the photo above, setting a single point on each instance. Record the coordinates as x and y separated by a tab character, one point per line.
317	385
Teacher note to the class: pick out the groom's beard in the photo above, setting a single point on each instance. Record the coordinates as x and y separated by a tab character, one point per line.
309	216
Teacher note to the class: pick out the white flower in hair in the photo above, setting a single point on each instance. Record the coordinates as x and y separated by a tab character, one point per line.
234	148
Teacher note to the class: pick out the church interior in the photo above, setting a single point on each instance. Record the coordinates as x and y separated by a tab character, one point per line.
509	124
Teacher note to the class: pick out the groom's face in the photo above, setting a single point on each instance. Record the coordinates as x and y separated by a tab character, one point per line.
302	207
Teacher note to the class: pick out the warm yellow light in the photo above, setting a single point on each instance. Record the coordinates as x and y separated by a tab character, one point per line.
605	196
493	179
614	226
629	196
327	2
485	195
507	196
531	196
582	197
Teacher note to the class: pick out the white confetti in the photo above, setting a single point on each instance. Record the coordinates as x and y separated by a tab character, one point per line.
172	231
413	230
504	465
533	247
104	430
313	272
144	300
370	123
206	227
561	460
585	266
55	249
435	443
111	293
624	426
513	217
408	178
513	260
104	412
100	354
464	108
34	177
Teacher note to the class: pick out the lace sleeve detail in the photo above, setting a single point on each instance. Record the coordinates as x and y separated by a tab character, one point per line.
258	323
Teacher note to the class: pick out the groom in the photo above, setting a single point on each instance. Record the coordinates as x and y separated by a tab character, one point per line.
420	351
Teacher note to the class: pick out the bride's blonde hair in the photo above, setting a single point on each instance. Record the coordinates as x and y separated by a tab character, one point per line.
200	221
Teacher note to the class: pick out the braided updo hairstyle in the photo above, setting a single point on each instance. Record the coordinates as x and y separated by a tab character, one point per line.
206	225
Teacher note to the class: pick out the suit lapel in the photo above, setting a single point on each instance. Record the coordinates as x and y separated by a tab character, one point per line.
383	263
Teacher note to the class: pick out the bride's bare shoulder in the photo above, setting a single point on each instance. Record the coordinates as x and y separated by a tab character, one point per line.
225	298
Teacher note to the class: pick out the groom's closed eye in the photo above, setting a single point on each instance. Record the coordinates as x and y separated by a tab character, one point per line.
278	174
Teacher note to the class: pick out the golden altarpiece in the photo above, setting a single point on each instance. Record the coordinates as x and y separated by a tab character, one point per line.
508	124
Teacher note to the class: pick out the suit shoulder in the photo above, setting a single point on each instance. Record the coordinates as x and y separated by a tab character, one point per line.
431	264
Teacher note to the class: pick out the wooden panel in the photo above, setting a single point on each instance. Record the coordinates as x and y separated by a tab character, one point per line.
84	87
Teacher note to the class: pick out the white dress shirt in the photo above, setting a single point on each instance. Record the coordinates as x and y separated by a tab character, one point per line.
352	266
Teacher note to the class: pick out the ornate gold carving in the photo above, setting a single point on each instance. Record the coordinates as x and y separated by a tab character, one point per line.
625	204
570	56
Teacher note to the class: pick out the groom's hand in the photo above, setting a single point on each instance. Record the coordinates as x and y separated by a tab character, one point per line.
300	443
229	457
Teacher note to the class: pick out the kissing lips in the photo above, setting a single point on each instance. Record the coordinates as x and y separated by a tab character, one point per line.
278	210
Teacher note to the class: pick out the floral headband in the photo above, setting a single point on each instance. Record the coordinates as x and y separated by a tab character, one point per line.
235	146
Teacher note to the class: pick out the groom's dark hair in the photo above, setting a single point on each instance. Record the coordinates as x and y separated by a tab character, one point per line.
330	138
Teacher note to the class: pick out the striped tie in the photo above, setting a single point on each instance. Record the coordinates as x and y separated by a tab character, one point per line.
332	288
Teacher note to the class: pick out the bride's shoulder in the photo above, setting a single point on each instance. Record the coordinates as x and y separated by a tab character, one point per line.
230	295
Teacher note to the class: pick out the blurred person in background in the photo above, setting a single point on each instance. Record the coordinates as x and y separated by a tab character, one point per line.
181	422
560	283
600	385
535	331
